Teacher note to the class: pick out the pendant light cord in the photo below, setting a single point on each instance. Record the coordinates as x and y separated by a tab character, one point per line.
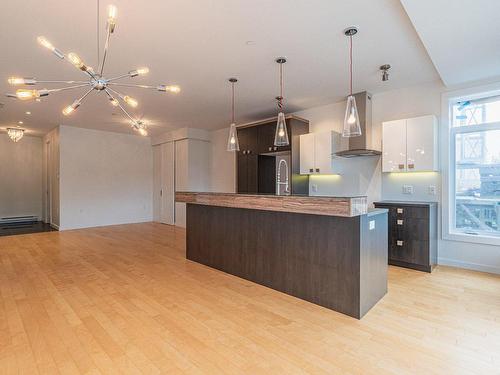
232	103
98	53
280	99
350	63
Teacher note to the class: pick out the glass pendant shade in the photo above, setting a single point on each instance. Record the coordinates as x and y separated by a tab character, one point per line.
281	135
232	140
351	119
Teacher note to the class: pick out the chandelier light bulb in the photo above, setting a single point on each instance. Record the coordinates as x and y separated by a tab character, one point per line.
130	101
16	81
24	94
112	13
143	71
114	102
71	108
174	89
44	42
76	61
143	132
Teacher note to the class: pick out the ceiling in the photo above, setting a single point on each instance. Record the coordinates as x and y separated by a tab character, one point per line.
462	37
199	44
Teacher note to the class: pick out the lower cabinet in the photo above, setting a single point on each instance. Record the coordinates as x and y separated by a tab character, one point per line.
412	230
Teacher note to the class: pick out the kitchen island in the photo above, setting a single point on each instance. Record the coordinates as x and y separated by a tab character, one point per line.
331	251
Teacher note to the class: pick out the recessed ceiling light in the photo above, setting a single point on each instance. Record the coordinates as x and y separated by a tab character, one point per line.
28	112
20	122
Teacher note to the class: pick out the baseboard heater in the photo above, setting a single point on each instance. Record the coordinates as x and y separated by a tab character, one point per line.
18	219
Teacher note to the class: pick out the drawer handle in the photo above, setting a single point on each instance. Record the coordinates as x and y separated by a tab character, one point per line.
411	166
399	210
311	170
400	222
317	170
399	243
401	166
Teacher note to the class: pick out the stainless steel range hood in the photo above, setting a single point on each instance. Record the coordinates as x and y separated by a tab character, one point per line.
363	144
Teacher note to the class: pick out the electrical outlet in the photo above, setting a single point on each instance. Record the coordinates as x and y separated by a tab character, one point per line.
431	190
407	189
314	188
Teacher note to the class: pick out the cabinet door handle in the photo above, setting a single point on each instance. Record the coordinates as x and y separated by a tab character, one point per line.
401	166
400	222
317	170
311	170
399	210
411	166
399	243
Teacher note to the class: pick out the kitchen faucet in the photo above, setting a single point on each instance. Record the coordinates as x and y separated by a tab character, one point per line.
278	179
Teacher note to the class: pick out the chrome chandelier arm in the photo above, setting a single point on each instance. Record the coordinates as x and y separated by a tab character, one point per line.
86	94
131	85
69	88
106	47
120	95
119	105
118	77
68	82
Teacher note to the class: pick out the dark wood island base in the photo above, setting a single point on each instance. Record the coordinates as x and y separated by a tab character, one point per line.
336	262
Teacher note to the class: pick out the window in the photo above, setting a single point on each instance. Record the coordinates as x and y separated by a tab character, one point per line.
475	167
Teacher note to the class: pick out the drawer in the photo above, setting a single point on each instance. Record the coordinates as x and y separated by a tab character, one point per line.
409	251
409	229
404	211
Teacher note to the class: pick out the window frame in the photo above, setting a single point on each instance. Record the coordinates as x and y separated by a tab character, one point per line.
448	157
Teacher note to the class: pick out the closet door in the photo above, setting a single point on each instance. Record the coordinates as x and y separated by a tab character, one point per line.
167	192
156	182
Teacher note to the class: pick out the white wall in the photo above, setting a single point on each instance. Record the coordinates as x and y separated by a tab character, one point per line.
105	178
21	176
364	176
192	171
223	164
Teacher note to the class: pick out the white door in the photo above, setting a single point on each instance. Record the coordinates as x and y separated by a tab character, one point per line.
421	134
167	192
394	146
156	182
48	183
307	153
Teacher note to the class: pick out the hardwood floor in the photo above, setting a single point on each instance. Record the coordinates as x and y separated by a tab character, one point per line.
123	299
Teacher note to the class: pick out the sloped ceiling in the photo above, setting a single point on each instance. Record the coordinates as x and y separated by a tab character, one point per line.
462	37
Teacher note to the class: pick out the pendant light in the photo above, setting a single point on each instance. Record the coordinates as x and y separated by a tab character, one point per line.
232	141
281	134
351	118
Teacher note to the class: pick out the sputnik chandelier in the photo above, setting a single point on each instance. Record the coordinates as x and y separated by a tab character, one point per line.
96	81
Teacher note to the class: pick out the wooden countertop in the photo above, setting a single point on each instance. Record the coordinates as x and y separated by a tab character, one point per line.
316	205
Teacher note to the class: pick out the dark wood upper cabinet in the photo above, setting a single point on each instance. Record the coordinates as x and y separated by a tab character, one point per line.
257	139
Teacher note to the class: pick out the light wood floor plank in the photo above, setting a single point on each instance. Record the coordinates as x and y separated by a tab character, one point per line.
124	299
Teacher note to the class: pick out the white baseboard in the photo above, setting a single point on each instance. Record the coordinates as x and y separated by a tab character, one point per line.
468	266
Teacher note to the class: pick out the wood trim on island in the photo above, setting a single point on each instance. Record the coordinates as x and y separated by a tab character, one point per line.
315	205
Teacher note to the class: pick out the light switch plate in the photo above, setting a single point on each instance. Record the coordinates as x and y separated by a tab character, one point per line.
314	188
407	189
372	224
431	190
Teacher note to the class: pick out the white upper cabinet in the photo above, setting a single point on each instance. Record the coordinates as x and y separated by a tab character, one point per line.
394	146
317	152
410	145
307	149
421	144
